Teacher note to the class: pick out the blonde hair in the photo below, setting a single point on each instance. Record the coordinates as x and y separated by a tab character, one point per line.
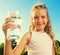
48	27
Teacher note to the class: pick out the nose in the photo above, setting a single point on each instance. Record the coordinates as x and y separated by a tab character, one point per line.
40	19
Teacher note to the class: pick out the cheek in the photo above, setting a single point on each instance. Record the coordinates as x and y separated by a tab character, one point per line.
45	22
33	21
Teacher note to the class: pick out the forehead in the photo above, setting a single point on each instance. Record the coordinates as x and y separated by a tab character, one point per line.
39	12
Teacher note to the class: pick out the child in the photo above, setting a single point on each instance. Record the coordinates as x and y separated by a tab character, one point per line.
39	40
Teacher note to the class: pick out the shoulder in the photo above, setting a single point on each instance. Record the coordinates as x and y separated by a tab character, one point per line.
27	36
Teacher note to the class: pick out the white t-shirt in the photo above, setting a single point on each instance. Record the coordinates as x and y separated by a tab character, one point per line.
40	44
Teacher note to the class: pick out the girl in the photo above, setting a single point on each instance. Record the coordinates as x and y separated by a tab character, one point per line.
39	40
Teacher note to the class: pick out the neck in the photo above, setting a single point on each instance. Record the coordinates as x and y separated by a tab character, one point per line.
39	30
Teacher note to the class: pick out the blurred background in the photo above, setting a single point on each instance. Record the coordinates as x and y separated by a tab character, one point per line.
24	8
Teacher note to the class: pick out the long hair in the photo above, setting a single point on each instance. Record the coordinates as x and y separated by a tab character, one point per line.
48	27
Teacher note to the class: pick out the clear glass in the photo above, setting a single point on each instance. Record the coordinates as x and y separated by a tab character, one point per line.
15	33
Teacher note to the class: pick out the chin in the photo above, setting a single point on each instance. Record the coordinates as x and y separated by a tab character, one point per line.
40	28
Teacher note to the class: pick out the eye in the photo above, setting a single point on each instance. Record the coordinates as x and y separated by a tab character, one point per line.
42	16
36	17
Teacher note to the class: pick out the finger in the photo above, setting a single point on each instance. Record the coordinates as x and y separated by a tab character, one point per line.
4	29
8	19
8	25
12	27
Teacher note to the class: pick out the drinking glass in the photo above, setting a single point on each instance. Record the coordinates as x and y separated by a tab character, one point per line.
15	33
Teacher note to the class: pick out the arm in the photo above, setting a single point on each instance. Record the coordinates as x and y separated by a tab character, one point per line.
19	48
24	41
8	48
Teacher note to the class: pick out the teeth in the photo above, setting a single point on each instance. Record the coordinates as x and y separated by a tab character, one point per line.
39	24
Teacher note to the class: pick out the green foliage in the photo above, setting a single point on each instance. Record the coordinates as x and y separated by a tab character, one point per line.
57	43
24	52
1	48
58	51
14	43
58	47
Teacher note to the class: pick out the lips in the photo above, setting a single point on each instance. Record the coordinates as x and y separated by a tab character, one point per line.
39	24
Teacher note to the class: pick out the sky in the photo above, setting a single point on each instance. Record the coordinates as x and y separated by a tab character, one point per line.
24	7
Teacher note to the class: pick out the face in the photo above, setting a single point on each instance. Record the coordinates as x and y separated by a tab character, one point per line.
39	19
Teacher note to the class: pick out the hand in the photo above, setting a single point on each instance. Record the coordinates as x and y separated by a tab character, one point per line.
8	24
